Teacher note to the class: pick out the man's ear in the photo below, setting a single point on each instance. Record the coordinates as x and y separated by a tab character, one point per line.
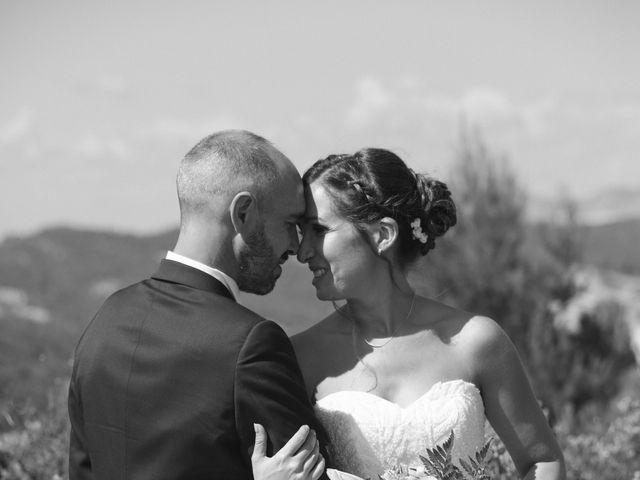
385	234
243	212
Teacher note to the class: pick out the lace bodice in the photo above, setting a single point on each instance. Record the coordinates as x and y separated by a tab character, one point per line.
369	434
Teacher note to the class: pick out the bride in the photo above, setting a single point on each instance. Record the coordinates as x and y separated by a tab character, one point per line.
390	372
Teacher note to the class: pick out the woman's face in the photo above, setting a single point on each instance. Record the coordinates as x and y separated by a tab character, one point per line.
337	253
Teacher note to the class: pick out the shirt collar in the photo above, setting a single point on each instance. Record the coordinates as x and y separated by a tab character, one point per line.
222	277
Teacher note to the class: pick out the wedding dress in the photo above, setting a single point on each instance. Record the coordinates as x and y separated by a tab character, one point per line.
368	434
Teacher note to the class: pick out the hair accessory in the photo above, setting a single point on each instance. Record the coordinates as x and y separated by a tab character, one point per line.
416	231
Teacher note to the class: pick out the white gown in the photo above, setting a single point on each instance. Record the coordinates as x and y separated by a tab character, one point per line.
368	434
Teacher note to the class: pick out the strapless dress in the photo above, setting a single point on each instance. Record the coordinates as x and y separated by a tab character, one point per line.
368	434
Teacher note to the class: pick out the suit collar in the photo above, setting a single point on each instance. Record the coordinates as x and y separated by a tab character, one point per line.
176	272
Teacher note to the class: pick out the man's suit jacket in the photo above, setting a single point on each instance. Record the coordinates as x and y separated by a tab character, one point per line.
169	377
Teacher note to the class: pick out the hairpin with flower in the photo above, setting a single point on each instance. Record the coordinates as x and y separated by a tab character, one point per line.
416	231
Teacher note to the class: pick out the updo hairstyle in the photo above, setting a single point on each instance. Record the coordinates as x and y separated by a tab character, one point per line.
375	183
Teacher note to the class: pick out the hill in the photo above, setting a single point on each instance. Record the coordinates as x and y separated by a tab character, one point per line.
614	246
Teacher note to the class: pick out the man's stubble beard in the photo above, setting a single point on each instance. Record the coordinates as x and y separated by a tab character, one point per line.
257	264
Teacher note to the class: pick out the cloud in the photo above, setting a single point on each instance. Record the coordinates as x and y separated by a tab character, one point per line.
408	101
480	104
95	146
18	127
372	98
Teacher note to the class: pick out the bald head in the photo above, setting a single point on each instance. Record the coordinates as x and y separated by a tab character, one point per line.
227	162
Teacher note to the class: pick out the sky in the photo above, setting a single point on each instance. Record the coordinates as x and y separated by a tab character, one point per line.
100	100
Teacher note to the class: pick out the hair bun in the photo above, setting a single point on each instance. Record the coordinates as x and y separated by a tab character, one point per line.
439	211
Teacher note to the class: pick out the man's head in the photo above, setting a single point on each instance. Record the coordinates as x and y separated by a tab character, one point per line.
240	199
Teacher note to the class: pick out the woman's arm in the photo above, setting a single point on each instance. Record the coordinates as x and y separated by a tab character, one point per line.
510	405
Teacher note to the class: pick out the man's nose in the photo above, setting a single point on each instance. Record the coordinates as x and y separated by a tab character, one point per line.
305	252
294	243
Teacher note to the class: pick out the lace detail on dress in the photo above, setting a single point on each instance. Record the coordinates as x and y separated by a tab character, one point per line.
369	434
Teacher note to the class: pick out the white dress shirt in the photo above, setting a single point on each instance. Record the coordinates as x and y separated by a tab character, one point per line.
222	277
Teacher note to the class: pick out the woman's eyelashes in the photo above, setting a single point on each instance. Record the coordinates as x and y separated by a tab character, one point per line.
319	229
312	228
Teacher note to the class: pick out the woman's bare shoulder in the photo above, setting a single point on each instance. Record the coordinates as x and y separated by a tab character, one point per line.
475	334
486	345
481	329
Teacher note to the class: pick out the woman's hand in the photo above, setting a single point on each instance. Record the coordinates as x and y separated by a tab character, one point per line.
298	459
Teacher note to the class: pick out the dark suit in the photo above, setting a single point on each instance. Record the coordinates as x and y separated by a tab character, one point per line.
170	376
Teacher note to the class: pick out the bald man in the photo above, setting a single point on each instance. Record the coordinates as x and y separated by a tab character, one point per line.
172	373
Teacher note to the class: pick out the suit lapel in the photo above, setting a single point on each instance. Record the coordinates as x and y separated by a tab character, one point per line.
176	272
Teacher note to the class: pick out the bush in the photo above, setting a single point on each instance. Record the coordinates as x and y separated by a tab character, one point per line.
37	449
608	445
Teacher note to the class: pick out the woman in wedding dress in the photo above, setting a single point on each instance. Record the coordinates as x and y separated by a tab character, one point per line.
391	372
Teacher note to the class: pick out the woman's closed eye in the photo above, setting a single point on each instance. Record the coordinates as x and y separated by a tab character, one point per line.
319	229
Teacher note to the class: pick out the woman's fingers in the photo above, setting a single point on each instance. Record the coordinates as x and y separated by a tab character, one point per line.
318	470
260	445
311	458
310	444
299	438
314	464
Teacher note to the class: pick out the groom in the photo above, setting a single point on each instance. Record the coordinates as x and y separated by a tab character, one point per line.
171	374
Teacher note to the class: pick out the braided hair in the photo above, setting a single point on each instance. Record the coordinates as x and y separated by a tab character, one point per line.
374	183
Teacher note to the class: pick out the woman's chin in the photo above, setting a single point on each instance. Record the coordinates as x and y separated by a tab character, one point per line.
321	295
327	296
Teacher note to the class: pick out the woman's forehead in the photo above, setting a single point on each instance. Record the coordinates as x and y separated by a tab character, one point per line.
319	202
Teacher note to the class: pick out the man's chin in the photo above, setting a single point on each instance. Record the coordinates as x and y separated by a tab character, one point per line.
259	289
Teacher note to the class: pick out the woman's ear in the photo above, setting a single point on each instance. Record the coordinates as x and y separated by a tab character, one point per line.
243	212
385	234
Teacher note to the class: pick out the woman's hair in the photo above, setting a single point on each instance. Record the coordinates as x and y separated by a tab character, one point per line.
374	183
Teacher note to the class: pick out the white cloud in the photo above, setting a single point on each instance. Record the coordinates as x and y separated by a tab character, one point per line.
17	127
484	103
486	107
95	146
408	101
371	99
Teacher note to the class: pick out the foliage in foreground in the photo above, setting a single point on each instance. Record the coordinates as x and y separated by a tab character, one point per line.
38	448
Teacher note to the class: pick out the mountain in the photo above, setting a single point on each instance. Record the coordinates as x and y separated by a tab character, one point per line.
609	205
52	282
614	246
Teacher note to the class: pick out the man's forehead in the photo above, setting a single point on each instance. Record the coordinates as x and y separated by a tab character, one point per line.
293	206
296	210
